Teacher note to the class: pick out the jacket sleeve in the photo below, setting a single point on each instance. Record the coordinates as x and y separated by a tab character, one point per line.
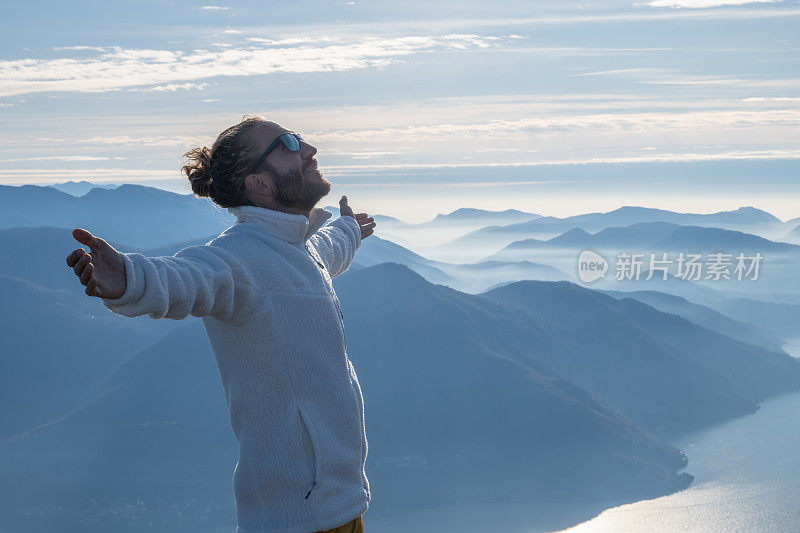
198	281
337	243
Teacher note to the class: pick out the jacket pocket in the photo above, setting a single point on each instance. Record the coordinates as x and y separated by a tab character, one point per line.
309	447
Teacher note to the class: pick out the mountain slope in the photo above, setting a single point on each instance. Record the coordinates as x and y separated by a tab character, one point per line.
139	216
703	316
629	354
159	432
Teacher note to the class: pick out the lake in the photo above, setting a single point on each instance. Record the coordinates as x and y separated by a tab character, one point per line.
747	478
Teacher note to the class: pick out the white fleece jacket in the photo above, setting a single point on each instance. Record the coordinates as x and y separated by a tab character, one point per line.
263	288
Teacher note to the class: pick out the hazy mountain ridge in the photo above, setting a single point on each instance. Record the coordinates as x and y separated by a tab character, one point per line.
639	368
80	188
494	238
139	216
569	385
164	410
702	316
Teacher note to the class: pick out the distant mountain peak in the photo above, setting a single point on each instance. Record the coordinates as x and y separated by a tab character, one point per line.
469	212
638	208
574	235
79	188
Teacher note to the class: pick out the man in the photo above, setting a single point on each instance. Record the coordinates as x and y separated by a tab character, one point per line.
263	289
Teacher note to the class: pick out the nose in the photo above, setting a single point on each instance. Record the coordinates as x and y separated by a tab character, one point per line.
307	150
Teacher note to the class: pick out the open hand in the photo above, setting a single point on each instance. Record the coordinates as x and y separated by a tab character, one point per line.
102	270
365	222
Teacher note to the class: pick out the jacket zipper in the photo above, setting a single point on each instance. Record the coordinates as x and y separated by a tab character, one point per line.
355	393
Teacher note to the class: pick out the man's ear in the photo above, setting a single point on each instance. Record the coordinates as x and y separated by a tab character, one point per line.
259	185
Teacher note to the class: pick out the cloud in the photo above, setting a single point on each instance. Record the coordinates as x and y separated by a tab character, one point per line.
119	68
662	76
172	87
80	48
664	157
125	140
705	3
214	8
99	175
582	124
58	158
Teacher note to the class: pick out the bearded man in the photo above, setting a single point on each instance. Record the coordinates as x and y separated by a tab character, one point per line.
263	289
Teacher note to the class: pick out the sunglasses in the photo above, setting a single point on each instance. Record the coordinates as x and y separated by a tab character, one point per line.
290	140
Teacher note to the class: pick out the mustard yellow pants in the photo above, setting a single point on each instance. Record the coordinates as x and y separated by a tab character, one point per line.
353	526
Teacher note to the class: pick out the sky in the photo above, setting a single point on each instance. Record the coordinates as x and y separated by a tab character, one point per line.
418	108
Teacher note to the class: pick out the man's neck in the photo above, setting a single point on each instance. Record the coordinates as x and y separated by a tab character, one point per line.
284	209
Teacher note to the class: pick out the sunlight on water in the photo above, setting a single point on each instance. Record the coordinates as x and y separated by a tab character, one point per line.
747	479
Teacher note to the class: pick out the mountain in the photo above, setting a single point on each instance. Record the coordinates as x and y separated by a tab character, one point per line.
56	346
487	240
780	319
444	227
375	250
139	216
793	236
777	265
661	370
714	239
652	237
479	277
471	216
40	256
703	316
157	438
56	349
79	188
154	445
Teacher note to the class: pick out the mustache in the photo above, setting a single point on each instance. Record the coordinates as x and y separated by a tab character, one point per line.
311	163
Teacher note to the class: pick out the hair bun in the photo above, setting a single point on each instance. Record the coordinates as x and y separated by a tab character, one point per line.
198	170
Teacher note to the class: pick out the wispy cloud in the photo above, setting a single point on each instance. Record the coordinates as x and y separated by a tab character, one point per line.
98	175
214	8
80	48
664	157
124	140
59	158
705	3
122	68
583	124
172	87
664	76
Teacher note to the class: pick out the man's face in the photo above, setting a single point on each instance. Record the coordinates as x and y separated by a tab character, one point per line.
298	182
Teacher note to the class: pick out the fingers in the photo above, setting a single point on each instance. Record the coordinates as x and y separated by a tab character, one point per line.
86	275
84	237
92	289
367	226
73	257
343	201
80	266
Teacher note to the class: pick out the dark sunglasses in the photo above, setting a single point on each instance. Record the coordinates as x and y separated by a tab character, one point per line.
290	140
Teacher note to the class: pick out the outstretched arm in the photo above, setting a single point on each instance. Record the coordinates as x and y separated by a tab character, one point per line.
337	242
197	281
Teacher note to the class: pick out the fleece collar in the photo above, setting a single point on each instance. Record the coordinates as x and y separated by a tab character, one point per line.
286	226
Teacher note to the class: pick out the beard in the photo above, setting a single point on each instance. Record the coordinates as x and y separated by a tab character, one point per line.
298	189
